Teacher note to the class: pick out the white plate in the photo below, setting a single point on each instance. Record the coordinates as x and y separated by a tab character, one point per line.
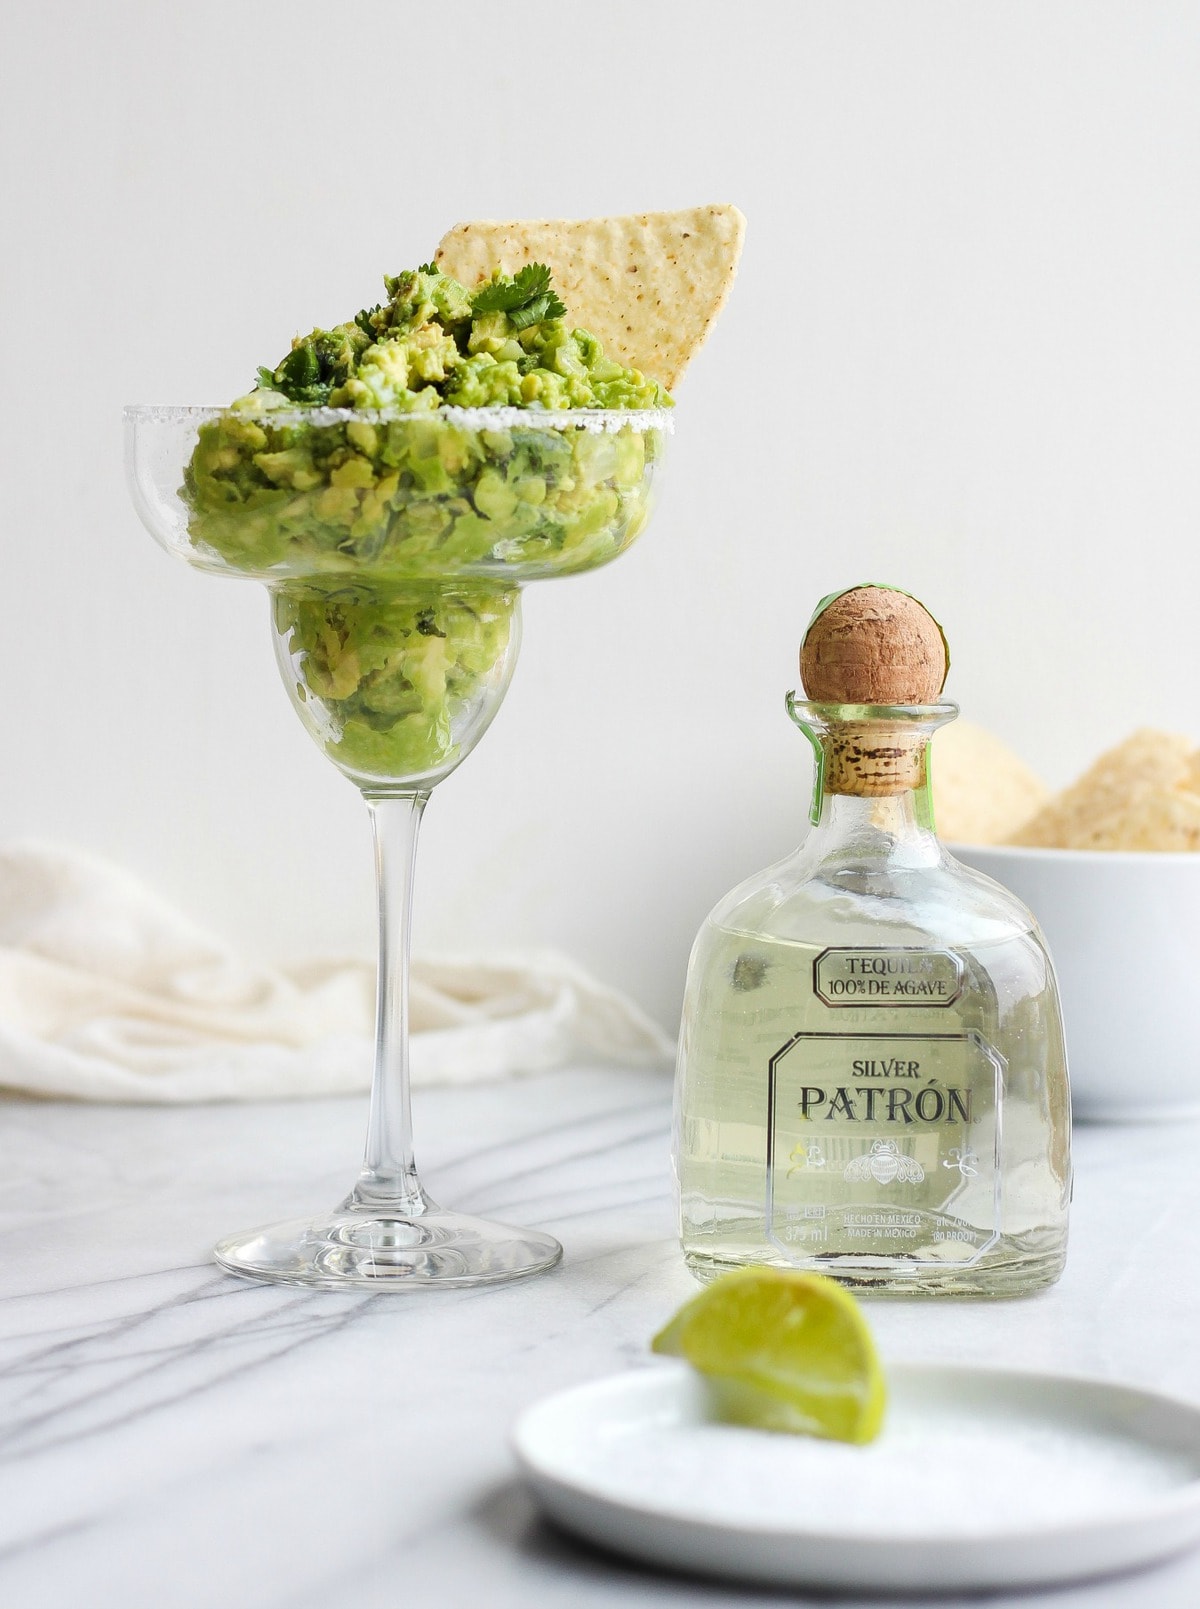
981	1478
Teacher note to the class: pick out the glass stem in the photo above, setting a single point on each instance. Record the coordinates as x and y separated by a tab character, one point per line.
389	1174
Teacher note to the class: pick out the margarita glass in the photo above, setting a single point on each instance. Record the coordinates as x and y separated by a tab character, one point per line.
394	546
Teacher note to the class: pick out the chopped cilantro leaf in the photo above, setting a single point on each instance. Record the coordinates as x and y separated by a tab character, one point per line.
528	297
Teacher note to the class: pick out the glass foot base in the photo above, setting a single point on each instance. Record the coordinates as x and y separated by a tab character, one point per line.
378	1251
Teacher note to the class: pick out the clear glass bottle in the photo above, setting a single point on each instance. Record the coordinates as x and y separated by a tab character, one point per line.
872	1078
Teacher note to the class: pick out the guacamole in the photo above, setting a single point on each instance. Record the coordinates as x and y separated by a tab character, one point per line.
432	345
359	481
410	490
389	682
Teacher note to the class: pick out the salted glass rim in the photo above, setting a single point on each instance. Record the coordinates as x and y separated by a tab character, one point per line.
493	418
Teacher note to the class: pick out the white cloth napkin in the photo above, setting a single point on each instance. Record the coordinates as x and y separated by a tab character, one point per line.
107	994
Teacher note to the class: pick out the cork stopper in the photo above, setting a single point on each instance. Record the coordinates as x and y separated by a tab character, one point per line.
873	645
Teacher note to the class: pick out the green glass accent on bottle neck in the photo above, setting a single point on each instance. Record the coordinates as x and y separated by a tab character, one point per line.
818	722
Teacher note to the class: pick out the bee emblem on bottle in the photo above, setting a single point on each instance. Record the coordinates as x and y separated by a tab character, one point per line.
886	1164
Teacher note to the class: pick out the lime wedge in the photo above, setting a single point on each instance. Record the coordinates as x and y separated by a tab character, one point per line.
782	1350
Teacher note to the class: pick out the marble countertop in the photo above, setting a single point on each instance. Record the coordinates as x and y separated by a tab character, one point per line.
175	1438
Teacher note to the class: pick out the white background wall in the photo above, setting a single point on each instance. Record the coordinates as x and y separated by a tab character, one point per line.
963	354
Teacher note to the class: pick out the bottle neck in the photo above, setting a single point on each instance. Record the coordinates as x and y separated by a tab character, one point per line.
896	829
872	801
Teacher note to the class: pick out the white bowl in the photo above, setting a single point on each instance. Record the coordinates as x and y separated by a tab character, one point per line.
1124	931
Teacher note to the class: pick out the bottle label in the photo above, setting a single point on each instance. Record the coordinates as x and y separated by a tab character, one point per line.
884	1145
850	977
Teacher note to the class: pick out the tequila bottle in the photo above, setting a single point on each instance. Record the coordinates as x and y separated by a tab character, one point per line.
872	1078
